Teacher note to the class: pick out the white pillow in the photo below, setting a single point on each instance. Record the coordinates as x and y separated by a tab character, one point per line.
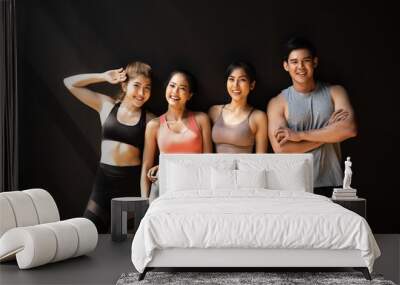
251	178
282	175
184	175
292	179
223	179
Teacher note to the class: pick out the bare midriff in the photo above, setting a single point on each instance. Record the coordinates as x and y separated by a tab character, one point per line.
119	154
230	148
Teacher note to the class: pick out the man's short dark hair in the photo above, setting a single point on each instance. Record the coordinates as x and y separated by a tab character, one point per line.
298	42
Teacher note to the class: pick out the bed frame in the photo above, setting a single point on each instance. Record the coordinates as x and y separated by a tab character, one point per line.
262	258
242	258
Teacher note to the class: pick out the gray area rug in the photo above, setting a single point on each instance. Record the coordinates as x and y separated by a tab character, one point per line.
243	278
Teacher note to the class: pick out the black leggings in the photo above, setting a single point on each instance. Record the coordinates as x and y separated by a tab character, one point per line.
111	182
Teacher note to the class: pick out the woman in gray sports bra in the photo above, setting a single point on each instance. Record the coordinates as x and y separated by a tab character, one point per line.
237	126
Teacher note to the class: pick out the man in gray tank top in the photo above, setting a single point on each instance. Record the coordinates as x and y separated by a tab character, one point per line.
310	116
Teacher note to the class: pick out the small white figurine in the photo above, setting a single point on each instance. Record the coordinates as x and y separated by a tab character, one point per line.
347	174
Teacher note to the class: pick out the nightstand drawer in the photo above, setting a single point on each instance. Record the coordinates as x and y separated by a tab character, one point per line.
358	206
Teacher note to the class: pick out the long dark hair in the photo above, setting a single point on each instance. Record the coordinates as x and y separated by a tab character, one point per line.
247	67
188	76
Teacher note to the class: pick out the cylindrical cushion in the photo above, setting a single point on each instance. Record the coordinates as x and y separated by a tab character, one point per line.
67	240
7	218
34	246
87	234
23	208
41	244
45	205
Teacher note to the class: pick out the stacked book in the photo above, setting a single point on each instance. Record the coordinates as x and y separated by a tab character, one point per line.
344	194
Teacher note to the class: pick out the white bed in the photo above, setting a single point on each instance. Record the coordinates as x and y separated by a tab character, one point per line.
247	210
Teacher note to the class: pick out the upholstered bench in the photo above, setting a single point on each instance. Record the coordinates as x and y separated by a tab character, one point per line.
31	230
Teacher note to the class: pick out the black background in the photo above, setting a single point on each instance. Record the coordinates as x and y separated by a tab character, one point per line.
60	137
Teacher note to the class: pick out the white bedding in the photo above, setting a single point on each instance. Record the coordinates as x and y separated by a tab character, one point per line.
252	218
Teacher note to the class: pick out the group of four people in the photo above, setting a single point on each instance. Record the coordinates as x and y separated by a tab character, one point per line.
309	116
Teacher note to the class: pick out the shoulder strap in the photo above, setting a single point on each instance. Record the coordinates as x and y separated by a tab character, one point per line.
113	111
251	111
162	119
115	108
143	115
222	108
220	113
192	121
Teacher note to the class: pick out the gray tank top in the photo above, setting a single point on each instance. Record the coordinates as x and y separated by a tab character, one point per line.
312	111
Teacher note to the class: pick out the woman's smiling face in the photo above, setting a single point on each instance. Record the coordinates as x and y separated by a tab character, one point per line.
238	84
138	90
178	90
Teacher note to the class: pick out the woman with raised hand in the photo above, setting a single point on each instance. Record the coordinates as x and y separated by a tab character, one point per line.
237	126
178	130
123	126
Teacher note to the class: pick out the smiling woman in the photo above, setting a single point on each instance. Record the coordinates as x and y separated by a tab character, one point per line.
178	130
238	127
123	122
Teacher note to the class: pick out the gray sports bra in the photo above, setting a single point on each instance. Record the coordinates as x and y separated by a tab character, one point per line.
233	138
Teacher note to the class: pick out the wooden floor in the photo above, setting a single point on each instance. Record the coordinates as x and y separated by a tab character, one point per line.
111	259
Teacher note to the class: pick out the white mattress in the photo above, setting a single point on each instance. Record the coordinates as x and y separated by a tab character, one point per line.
253	218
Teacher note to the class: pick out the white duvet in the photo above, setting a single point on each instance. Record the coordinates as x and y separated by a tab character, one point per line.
250	219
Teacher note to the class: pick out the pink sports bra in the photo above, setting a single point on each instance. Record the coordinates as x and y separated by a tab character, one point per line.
188	141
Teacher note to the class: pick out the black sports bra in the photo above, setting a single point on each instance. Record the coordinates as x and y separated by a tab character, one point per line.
115	131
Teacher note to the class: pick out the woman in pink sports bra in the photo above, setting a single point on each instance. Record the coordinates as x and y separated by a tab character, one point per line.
178	130
238	127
